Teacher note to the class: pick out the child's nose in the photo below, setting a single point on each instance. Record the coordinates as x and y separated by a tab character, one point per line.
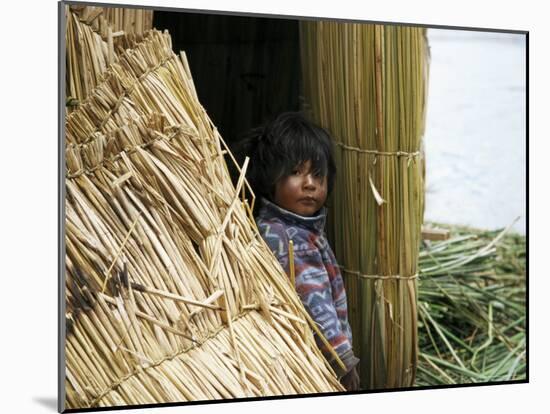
310	181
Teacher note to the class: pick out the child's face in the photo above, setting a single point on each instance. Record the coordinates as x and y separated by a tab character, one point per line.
302	192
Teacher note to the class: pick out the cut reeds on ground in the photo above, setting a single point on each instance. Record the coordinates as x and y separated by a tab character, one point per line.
171	293
472	308
367	85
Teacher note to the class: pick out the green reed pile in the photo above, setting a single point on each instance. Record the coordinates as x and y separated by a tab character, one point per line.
472	307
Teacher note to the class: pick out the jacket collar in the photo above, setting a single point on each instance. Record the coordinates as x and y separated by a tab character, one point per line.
271	210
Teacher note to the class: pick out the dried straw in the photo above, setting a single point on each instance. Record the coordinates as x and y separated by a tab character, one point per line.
95	37
171	293
366	84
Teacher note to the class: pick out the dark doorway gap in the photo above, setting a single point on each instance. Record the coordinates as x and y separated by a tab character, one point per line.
246	69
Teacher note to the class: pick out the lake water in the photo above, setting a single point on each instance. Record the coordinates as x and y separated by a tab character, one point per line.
475	136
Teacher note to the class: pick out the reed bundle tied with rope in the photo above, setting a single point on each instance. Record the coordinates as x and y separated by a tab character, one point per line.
171	293
367	85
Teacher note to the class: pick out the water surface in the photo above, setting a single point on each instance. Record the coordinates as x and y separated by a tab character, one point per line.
476	129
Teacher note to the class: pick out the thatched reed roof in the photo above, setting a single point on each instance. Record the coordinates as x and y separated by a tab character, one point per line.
95	37
171	293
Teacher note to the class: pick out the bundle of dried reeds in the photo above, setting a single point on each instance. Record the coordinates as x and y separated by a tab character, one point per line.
172	295
366	84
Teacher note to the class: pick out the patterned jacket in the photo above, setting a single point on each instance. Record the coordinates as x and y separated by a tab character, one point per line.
319	283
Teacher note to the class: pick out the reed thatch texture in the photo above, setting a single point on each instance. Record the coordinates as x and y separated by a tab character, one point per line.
172	295
367	85
95	37
132	21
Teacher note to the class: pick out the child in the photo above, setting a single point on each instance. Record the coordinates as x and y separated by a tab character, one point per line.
292	171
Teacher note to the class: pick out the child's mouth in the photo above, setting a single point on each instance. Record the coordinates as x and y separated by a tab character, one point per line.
308	200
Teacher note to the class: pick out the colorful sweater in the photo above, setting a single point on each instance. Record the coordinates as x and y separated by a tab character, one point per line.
319	283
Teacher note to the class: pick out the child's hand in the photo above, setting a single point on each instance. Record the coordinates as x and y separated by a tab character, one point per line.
351	380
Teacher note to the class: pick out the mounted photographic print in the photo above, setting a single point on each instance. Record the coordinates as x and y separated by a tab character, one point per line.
251	209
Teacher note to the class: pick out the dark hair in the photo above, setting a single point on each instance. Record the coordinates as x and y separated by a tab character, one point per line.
278	147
